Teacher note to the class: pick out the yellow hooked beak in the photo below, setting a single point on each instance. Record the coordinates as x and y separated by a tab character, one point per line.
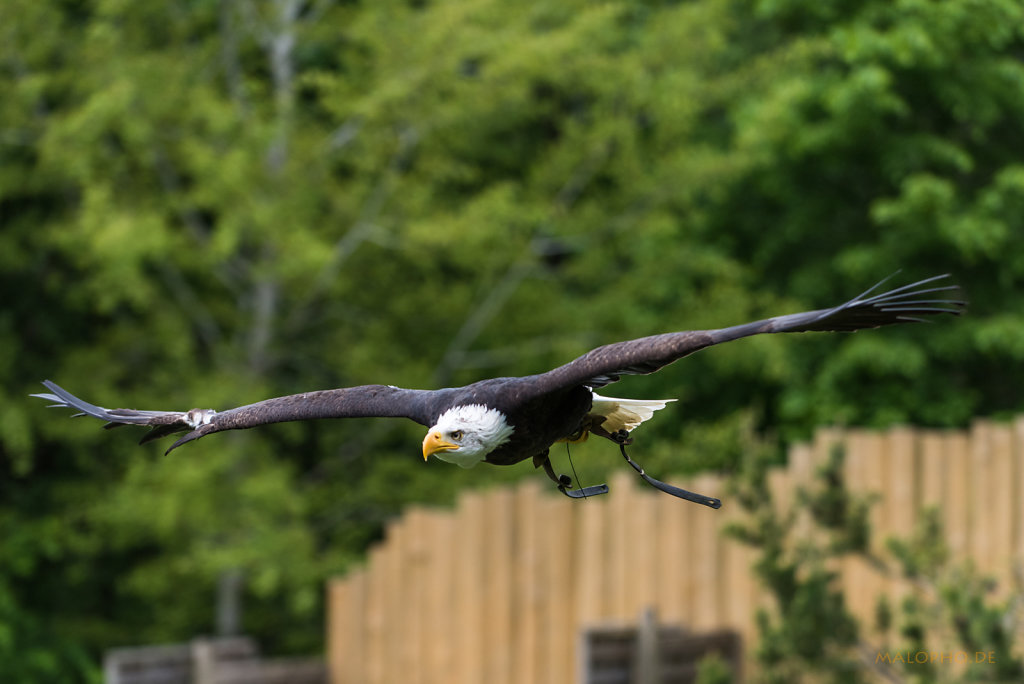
434	443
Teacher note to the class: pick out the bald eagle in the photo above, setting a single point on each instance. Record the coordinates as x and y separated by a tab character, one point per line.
507	420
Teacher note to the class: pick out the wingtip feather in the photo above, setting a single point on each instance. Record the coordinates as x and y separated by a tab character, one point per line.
195	434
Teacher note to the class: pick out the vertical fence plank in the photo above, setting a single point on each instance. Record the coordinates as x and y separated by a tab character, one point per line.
982	540
853	565
902	472
741	593
527	623
1018	479
643	553
341	624
1017	562
499	512
877	484
469	581
826	441
410	602
394	627
743	590
620	501
780	485
934	470
375	637
958	491
708	560
430	540
558	645
903	481
801	478
674	578
407	598
440	650
346	643
781	490
592	561
999	512
861	579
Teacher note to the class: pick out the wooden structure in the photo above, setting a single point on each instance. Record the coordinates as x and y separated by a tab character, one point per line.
500	588
649	653
232	660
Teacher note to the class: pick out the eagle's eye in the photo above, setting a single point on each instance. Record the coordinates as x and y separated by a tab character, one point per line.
456	435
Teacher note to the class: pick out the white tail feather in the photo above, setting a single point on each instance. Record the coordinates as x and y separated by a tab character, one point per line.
625	414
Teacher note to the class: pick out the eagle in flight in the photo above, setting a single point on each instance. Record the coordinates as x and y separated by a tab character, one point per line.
507	420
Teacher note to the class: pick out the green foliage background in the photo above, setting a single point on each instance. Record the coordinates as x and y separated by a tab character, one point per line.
207	203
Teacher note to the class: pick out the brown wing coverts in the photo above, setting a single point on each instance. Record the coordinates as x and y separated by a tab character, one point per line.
367	401
909	303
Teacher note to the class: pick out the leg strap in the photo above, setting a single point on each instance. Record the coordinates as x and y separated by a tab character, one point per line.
564	481
622	438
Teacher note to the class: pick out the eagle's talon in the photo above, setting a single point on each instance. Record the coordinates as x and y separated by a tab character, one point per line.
622	438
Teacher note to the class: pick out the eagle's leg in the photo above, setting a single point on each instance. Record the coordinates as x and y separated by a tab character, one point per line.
622	439
541	460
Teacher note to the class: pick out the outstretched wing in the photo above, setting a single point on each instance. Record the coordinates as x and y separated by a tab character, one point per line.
604	365
367	401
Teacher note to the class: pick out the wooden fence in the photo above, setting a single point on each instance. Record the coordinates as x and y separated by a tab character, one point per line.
227	660
499	589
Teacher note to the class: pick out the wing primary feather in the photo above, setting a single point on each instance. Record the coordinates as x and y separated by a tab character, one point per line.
195	434
899	290
158	432
65	399
883	281
889	295
871	312
46	396
911	289
930	309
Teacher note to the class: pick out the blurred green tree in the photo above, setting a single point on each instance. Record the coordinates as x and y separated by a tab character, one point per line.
208	203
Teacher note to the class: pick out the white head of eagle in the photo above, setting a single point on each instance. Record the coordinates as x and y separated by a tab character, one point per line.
464	435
